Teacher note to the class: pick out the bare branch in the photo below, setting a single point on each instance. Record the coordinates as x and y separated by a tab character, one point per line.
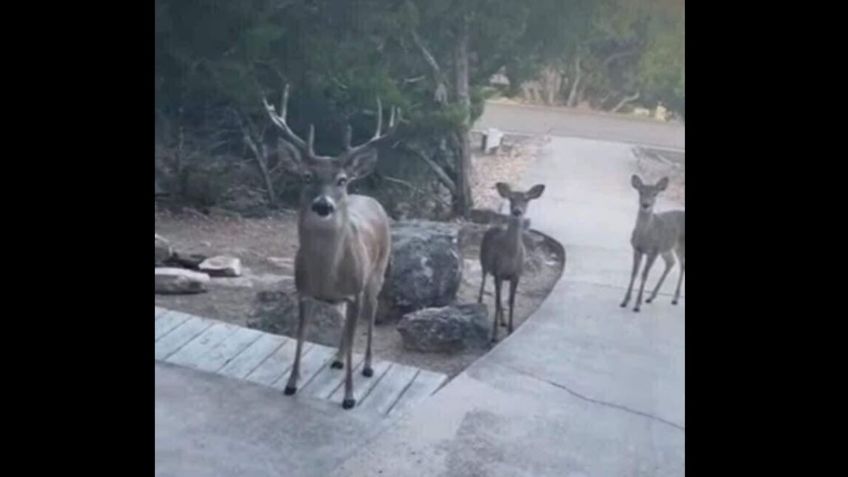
441	94
443	177
413	188
280	120
624	101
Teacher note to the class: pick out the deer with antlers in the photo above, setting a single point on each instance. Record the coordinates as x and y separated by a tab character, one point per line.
344	239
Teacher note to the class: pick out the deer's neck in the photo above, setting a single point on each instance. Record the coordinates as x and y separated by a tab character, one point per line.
513	234
644	220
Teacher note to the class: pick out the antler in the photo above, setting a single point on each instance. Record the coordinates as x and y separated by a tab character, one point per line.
280	121
378	136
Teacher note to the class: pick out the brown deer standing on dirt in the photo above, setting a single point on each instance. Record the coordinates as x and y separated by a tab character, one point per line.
653	235
502	251
344	239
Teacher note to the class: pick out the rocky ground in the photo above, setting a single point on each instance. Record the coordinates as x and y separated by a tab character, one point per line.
265	248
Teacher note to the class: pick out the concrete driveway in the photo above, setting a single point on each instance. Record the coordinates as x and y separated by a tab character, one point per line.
583	388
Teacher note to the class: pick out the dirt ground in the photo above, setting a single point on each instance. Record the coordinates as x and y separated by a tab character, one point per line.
266	246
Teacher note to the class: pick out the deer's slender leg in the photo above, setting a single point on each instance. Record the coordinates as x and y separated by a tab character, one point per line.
482	286
370	310
668	258
353	310
513	286
680	278
649	262
338	363
637	261
498	283
291	386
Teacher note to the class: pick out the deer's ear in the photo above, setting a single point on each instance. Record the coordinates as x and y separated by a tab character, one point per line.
636	182
503	189
360	163
662	184
536	191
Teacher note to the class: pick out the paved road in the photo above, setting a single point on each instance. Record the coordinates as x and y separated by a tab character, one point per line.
584	387
568	123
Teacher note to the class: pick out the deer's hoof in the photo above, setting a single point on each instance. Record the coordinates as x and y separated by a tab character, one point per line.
623	305
368	372
673	302
348	403
636	310
290	390
503	325
336	364
649	300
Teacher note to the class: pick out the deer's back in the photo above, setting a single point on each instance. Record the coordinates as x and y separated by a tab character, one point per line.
499	255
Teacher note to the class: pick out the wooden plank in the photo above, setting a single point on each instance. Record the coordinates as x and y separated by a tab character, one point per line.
181	335
328	379
310	364
425	384
189	355
276	365
222	353
388	389
167	323
361	385
253	356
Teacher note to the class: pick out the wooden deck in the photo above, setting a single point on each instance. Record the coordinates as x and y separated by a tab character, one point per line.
263	358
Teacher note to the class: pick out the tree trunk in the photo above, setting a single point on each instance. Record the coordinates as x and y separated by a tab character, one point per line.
575	84
462	199
260	154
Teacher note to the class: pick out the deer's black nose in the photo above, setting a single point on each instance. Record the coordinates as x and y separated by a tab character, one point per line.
516	212
322	207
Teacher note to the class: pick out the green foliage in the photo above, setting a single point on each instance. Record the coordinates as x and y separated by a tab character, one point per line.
214	57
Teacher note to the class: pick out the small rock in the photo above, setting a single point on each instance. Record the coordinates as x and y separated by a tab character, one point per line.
448	329
222	266
172	281
162	250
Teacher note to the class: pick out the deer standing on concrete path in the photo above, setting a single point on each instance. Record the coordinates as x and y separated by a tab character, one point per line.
655	234
502	251
344	240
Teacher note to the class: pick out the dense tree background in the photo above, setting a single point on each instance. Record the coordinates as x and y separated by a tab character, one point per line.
433	59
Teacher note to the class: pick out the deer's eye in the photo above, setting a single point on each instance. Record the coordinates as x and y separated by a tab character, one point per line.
307	177
341	182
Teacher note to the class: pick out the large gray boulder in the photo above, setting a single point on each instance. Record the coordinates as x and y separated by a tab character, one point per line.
448	329
276	312
425	269
176	281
